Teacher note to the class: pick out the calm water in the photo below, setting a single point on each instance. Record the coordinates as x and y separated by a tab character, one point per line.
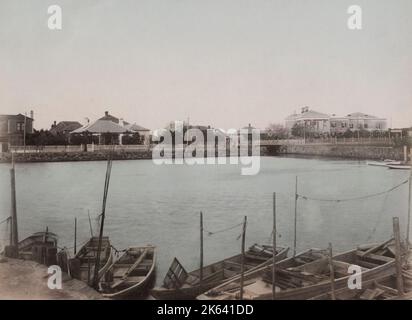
160	204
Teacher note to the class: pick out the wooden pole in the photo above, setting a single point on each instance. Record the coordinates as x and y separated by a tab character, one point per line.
332	272
90	224
274	249
99	247
396	232
75	235
242	267
201	249
24	137
296	217
408	227
14	228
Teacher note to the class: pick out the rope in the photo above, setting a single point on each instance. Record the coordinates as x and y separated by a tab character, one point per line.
356	198
379	218
210	233
5	220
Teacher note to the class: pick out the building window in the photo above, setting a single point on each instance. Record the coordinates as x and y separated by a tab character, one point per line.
20	126
351	125
365	126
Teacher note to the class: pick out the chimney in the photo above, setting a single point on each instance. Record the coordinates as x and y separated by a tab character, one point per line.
106	113
32	114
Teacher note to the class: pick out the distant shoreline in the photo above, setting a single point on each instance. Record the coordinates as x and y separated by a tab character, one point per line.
305	151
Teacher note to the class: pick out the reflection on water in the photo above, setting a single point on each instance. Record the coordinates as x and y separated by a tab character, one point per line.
160	204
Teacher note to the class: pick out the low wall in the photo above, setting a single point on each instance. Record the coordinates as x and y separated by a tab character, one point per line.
75	156
345	151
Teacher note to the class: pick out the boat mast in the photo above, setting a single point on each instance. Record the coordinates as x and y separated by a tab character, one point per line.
409	209
242	266
201	249
99	247
274	249
296	213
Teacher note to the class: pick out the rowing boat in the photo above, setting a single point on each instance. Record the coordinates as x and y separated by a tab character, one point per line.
82	266
40	247
309	279
400	166
383	163
383	288
227	289
131	274
179	284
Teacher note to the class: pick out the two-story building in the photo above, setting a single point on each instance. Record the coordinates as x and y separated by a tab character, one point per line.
312	121
13	129
321	123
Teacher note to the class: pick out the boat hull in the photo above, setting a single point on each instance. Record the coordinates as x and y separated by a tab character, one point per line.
139	288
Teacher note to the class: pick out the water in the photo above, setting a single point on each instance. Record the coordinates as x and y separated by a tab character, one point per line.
160	204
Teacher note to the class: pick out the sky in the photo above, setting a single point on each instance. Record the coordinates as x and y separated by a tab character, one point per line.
225	63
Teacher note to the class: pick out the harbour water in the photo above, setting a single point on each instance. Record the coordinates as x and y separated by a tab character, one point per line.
160	205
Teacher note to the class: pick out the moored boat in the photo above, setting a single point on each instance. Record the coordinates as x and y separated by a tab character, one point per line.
40	247
179	284
399	166
131	274
383	288
83	264
310	279
383	163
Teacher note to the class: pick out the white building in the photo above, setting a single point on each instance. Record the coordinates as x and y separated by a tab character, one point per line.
321	123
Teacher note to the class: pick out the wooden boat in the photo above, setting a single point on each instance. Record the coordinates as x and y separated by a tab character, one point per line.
130	274
225	289
310	279
82	266
179	284
383	288
383	163
399	166
40	247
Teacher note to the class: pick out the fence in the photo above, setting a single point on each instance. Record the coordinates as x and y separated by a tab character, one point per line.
384	141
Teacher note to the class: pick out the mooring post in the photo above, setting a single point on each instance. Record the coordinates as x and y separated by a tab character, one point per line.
408	226
332	272
14	228
242	267
274	249
201	249
75	235
296	218
398	256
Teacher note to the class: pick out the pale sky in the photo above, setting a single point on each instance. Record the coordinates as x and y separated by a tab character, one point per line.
226	63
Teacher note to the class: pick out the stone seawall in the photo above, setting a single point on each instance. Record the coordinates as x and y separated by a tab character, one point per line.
345	151
74	156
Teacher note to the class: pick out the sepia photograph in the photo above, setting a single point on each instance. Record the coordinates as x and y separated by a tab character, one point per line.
214	151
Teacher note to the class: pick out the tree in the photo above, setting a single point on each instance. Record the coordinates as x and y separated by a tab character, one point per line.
277	131
298	130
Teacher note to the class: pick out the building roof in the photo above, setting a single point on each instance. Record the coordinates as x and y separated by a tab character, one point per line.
109	117
65	126
309	114
135	127
361	115
11	116
101	126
